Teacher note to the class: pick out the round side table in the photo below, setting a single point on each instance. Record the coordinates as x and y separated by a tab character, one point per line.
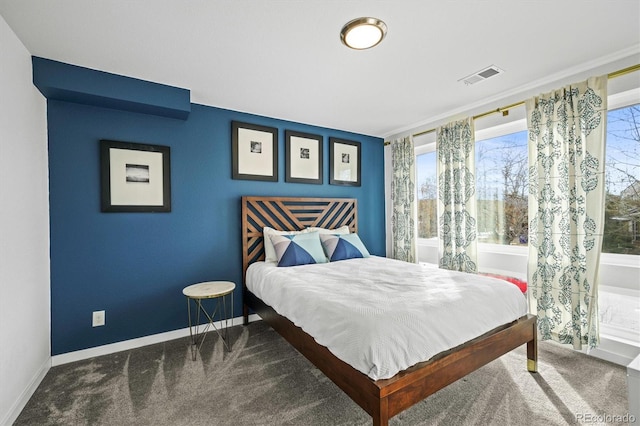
196	294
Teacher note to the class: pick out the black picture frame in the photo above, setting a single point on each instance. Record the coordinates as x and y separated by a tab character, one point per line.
344	162
134	177
303	157
254	151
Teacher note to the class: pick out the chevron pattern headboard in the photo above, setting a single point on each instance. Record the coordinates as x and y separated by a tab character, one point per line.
290	214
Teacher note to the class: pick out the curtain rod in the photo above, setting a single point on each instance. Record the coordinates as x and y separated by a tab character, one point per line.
506	108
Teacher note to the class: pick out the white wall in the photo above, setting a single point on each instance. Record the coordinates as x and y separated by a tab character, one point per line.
24	230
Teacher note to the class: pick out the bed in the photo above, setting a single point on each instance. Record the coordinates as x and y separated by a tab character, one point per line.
380	398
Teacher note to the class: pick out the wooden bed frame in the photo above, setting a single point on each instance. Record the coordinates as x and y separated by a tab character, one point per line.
382	399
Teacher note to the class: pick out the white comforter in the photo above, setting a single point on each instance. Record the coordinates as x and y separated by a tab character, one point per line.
382	316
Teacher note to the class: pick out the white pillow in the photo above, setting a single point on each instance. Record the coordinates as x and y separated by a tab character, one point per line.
269	250
338	231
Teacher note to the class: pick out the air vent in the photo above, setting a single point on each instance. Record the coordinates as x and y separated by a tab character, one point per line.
481	75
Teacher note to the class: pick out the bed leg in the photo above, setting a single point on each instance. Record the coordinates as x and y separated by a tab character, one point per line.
245	314
381	418
532	351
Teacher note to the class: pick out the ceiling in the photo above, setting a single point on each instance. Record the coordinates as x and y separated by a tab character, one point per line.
284	58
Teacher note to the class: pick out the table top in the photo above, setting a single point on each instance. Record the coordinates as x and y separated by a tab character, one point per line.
209	289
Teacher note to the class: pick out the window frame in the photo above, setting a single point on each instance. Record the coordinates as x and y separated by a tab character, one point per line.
614	101
617	271
428	247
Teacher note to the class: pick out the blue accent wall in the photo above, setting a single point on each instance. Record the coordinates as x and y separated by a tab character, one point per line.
57	80
134	265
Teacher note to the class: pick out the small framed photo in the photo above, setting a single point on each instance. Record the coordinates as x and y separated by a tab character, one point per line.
303	157
344	162
254	150
135	177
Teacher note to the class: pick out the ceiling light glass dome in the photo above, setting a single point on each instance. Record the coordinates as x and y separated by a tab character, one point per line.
363	33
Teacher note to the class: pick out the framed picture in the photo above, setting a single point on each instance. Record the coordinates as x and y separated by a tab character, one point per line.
255	152
303	157
134	177
344	162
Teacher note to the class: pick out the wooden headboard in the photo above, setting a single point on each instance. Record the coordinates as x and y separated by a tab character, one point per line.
290	214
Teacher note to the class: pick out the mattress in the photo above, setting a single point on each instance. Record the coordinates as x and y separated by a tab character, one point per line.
382	316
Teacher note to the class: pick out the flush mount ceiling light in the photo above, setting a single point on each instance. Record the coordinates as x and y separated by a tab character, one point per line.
363	33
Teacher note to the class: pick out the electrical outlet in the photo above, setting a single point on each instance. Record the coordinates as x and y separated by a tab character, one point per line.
98	318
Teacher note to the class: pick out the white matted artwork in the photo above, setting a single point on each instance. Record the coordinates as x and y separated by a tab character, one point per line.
303	157
255	152
344	167
135	177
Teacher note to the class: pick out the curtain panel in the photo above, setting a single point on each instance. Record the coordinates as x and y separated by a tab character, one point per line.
567	129
403	193
457	221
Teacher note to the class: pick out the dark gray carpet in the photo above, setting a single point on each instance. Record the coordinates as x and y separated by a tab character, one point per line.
264	381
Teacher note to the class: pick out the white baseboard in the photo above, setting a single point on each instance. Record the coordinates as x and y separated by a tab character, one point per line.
614	350
26	394
610	349
134	343
612	356
66	358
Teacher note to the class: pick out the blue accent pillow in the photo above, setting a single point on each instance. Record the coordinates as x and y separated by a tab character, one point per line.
298	249
343	246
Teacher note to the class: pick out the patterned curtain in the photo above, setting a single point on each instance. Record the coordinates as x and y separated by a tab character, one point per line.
567	130
456	196
403	193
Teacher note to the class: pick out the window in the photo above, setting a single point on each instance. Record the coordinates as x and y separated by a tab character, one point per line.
426	188
618	309
502	185
622	180
502	188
